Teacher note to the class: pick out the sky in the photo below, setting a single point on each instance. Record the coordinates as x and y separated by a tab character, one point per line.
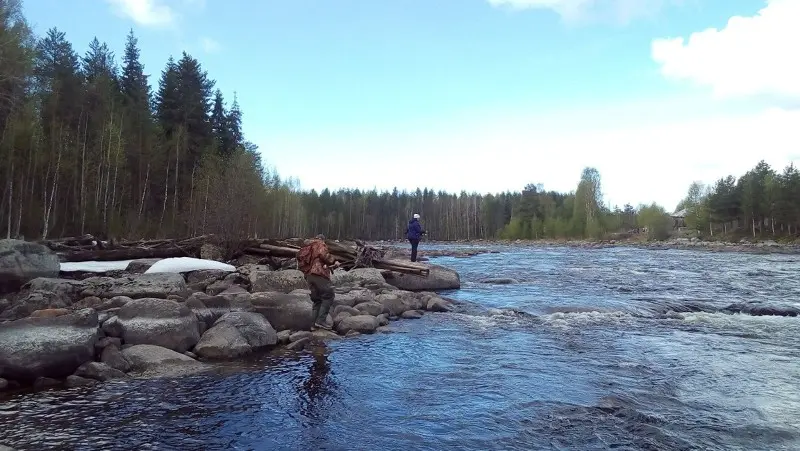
484	95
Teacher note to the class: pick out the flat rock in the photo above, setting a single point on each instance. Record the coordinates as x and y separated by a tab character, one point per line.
439	279
209	309
279	281
21	261
373	308
290	311
152	360
159	322
47	347
365	324
99	371
358	276
159	285
236	334
412	314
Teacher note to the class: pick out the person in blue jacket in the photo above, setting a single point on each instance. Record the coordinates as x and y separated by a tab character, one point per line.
414	232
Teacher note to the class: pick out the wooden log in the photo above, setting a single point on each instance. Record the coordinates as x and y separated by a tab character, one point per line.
132	253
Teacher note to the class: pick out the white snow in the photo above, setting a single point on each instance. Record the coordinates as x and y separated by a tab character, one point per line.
93	266
186	264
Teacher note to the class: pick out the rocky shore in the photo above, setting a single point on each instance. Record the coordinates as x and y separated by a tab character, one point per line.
80	328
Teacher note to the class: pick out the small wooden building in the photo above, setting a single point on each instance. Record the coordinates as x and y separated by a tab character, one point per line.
679	219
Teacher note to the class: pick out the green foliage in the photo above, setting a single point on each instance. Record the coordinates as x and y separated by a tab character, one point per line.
656	220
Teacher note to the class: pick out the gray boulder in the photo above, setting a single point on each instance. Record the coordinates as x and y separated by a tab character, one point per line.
353	297
209	309
21	261
47	347
236	334
439	279
365	324
280	281
373	308
99	371
290	311
159	285
160	322
358	276
139	266
157	361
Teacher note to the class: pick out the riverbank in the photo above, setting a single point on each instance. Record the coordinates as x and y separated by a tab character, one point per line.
464	249
97	322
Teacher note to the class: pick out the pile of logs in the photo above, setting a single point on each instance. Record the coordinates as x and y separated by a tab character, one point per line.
350	256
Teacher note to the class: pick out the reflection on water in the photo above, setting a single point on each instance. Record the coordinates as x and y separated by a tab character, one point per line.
592	349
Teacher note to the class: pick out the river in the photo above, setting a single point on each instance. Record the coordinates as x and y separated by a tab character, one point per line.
591	349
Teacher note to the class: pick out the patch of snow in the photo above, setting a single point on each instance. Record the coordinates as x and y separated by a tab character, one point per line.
186	264
94	266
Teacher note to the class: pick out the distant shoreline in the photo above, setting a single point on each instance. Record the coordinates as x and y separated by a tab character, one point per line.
469	248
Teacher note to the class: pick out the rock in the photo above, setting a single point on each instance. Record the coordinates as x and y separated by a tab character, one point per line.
99	371
373	308
247	269
115	302
500	281
358	276
21	261
342	315
141	265
236	334
284	311
47	347
299	335
113	327
205	275
283	336
89	302
437	304
113	357
299	344
344	308
280	281
383	319
154	360
50	313
45	382
210	308
354	297
4	304
3	384
360	323
440	278
68	289
190	354
322	334
106	342
395	305
412	314
352	333
159	322
384	329
159	285
234	290
33	301
74	381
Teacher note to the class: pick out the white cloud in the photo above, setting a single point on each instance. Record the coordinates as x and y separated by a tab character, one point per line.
574	11
750	57
150	13
210	45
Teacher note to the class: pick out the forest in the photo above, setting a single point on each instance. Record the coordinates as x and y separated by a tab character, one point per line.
89	144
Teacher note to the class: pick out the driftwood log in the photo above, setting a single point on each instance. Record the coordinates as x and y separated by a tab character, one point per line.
352	255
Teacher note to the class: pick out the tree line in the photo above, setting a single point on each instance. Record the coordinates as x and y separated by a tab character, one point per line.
88	146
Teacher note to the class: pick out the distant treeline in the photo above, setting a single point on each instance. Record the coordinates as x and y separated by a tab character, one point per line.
87	146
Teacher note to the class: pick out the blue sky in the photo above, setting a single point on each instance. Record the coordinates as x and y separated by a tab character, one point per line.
484	95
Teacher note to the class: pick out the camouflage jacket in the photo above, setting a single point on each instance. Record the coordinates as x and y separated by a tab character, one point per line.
321	259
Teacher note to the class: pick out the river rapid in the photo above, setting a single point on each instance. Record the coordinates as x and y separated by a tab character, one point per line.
621	348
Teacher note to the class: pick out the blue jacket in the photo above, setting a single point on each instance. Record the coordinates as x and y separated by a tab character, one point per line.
414	230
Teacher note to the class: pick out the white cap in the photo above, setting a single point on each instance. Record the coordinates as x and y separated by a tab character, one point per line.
416	215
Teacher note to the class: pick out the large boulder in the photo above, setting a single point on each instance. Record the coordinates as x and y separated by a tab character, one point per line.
353	297
21	261
209	309
47	346
159	285
152	360
365	324
159	322
439	279
396	303
236	334
284	311
281	281
359	276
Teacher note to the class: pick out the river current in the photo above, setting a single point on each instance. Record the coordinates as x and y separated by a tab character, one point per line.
625	349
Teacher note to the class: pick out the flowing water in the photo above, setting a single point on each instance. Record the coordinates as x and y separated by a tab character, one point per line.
590	349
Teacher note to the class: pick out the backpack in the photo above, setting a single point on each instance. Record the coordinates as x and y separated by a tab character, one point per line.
305	258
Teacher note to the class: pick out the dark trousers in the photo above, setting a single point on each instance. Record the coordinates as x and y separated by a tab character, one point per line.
322	295
414	244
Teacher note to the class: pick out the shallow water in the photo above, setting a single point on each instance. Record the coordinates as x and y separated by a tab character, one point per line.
592	349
